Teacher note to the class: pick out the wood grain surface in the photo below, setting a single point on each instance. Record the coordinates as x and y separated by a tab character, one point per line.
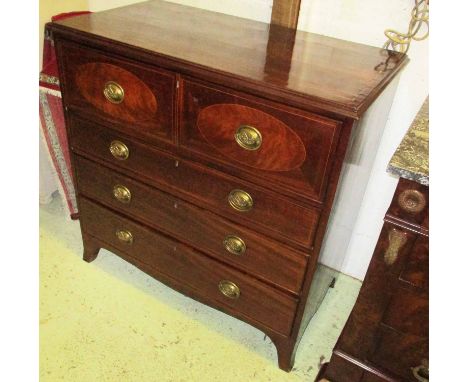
276	216
149	103
281	148
297	146
139	102
326	73
264	258
263	304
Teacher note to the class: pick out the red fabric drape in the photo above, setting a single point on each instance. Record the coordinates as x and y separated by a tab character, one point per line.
53	121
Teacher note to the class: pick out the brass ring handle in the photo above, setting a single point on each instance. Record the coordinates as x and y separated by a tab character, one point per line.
248	137
113	92
412	201
124	236
122	194
421	372
396	240
229	289
119	150
240	200
234	244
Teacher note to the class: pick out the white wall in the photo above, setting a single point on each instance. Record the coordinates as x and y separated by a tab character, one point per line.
361	21
364	21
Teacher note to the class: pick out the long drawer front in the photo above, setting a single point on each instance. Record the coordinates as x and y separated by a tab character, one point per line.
259	209
229	242
225	288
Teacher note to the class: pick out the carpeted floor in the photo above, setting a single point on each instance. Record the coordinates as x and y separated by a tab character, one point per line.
108	321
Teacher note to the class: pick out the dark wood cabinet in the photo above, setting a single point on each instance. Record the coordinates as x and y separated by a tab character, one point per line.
210	160
386	337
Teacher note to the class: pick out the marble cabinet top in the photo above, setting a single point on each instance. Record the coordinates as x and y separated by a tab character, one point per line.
411	159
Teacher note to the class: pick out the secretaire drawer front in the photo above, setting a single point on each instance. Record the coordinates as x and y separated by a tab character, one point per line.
220	238
283	145
257	208
133	97
221	285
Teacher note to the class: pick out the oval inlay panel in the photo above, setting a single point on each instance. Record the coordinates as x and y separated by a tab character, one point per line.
139	102
281	148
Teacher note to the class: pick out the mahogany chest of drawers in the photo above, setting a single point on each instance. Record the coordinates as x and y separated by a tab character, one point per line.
207	151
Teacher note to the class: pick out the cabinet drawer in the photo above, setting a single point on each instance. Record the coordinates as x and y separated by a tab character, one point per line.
408	312
220	238
415	271
134	98
257	302
257	138
399	353
270	213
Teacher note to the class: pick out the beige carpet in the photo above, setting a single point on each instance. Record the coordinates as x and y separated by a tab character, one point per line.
108	321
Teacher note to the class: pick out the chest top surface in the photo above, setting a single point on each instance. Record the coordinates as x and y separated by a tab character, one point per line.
334	75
